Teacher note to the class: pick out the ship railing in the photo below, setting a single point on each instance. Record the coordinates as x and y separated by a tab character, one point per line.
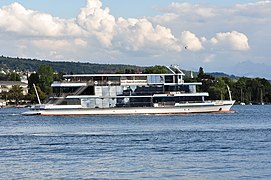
92	83
187	102
146	93
103	83
170	104
133	81
165	104
178	92
135	104
219	102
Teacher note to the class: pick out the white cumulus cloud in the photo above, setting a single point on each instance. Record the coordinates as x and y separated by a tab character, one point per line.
195	9
140	34
183	33
97	22
190	41
95	25
232	40
15	18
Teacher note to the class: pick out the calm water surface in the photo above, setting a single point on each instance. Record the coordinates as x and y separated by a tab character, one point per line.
201	146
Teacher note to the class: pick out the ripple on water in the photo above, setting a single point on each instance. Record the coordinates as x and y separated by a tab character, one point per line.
201	146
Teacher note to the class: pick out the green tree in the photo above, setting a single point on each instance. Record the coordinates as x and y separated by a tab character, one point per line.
59	76
217	89
3	77
265	90
14	77
33	79
201	73
252	90
4	95
32	96
46	78
202	76
239	90
214	93
156	70
129	71
255	86
221	86
15	93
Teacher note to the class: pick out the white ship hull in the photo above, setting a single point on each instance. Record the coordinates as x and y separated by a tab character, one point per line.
208	107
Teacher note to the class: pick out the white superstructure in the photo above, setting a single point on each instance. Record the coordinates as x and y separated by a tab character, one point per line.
118	94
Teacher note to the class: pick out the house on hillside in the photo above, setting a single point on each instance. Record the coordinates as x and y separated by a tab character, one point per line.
5	86
3	103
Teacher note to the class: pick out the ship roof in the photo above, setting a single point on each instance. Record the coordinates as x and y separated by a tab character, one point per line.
117	75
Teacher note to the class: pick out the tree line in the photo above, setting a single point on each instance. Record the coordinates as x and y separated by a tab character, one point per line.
245	90
68	67
12	76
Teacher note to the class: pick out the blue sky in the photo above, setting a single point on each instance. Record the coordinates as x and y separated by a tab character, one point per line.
222	36
119	8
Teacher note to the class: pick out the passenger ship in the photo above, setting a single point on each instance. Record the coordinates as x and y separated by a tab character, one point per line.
128	94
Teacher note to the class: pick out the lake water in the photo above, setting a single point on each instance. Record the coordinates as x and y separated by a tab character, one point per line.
201	146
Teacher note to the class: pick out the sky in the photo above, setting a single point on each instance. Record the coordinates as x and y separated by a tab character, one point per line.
220	36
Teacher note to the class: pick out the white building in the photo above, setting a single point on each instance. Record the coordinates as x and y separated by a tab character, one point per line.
5	86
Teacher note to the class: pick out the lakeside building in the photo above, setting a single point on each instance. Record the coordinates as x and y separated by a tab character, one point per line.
6	86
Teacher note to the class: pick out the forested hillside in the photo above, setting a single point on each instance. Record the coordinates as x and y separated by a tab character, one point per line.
20	64
248	90
67	67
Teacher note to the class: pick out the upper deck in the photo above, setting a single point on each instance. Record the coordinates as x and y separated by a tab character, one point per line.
136	89
127	79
